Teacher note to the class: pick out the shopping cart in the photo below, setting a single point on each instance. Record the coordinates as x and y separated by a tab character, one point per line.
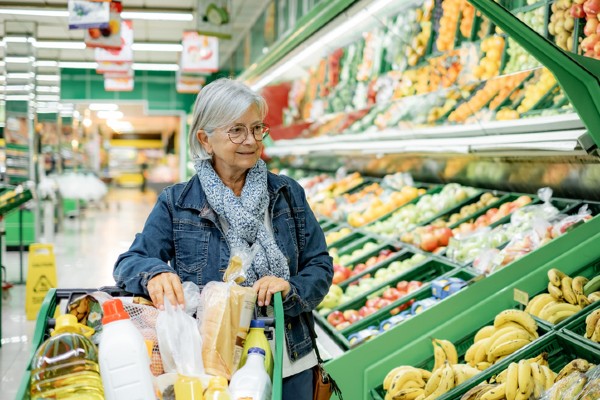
56	297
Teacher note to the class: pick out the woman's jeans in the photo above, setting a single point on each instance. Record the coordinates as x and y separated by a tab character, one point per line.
299	386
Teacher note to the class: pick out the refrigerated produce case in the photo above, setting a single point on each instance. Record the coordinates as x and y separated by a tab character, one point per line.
495	97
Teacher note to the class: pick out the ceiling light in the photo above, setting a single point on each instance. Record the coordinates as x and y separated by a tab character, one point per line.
46	63
78	64
17	39
154	16
17	97
19	60
47	89
48	78
120	126
155	67
20	75
18	88
103	107
157	16
48	97
110	114
60	45
156	47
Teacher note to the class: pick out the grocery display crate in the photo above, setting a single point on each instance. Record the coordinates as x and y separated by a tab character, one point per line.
561	350
348	239
10	199
576	328
57	297
400	255
357	244
461	345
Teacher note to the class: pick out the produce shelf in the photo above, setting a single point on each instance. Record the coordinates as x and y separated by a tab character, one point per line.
399	255
10	198
358	244
348	239
576	327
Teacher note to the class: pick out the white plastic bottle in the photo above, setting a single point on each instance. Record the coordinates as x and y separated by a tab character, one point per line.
251	381
123	355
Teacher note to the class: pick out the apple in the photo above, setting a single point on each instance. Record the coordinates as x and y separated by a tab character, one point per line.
591	7
365	311
402	286
577	11
332	298
383	303
444	235
336	317
372	302
391	294
414	285
342	325
94	33
429	242
351	316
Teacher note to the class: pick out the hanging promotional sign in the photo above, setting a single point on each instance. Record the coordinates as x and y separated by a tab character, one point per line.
109	37
189	83
125	53
109	67
118	84
88	14
200	53
120	74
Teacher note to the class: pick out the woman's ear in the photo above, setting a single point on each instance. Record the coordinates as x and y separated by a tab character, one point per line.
203	139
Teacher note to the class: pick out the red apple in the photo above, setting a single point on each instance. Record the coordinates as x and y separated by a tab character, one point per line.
391	294
591	7
429	242
444	235
366	311
335	318
577	11
402	286
372	302
351	316
383	303
414	285
338	277
385	252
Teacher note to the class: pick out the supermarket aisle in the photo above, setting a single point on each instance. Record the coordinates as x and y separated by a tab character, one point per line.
86	250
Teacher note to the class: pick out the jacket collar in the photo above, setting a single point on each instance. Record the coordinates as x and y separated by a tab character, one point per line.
192	195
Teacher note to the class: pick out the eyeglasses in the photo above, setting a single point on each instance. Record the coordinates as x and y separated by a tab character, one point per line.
238	133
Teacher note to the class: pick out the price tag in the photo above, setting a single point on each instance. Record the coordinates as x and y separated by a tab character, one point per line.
521	297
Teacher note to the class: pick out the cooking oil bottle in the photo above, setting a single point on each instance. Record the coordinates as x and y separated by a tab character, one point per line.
65	366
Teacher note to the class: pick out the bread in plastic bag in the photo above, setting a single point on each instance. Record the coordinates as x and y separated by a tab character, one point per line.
179	341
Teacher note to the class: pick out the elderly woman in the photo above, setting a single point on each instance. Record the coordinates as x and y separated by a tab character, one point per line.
233	201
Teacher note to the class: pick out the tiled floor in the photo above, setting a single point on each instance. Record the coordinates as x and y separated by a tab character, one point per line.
85	251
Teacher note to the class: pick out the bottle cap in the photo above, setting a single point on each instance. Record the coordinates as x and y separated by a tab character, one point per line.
68	323
256	350
113	311
257	323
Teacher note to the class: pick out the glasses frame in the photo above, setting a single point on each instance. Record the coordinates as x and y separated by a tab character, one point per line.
267	130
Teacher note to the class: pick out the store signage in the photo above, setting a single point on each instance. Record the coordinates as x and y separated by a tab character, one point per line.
125	53
200	53
109	67
120	74
88	14
109	37
124	84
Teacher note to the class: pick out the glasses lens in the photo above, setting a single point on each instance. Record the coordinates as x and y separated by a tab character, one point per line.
238	133
260	131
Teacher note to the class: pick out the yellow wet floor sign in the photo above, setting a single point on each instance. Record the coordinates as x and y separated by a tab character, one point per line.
41	276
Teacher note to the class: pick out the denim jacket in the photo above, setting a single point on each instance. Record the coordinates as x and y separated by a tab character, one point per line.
182	235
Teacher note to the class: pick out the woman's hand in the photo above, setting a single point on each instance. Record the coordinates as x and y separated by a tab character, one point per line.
166	284
267	286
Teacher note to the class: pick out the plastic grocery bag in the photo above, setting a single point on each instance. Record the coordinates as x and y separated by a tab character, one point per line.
179	341
568	222
224	313
545	210
591	390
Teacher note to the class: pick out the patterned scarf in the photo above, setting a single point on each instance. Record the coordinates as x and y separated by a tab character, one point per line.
245	216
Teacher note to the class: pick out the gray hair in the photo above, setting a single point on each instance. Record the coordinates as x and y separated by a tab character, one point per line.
219	104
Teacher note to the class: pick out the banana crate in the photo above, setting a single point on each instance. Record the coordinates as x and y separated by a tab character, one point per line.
560	349
589	271
390	310
577	328
461	345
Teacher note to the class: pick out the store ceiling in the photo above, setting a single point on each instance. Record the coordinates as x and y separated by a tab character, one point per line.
243	13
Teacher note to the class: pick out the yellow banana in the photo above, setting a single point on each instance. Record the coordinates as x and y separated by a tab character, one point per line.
463	372
471	353
483	365
539	380
446	383
506	348
449	350
439	356
508	334
550	376
477	391
594	297
583	301
387	381
403	378
552	309
482	350
408	394
567	289
578	284
484	332
524	379
555	292
520	317
536	304
512	381
434	381
555	276
498	392
560	316
596	335
420	397
578	364
541	359
590	323
425	374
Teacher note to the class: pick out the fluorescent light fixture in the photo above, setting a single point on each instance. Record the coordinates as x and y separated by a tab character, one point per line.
66	106
2	78
48	97
20	75
19	60
48	78
47	89
46	63
87	122
17	39
2	63
157	16
60	45
155	67
17	97
152	16
110	114
103	107
120	126
18	88
78	64
156	47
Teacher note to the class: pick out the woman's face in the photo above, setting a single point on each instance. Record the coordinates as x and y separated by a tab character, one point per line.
231	158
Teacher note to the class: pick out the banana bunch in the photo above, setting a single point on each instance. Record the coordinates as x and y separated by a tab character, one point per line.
571	380
592	326
443	351
527	379
566	296
512	330
405	382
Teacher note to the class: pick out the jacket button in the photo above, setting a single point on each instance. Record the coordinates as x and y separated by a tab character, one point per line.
289	326
295	355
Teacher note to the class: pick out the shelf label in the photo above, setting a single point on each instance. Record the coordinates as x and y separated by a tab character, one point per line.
521	297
